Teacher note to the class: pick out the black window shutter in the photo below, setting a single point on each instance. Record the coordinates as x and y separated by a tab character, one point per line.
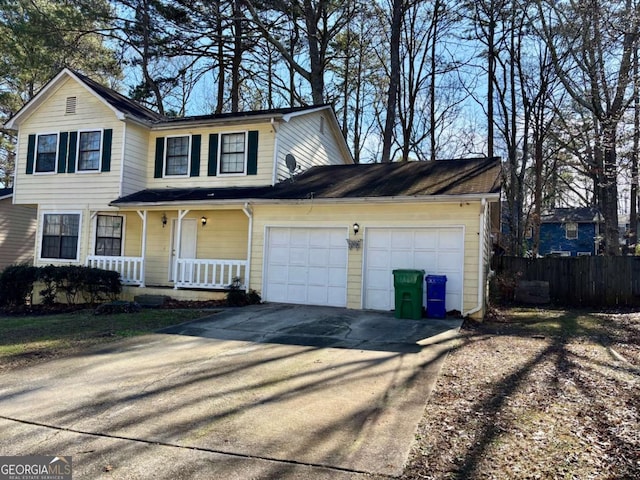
212	169
71	157
63	142
107	137
195	155
157	170
252	153
31	153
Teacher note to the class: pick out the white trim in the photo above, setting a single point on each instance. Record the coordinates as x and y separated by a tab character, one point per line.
35	153
95	232
248	211
220	173
41	234
122	157
484	215
77	159
491	197
566	231
166	151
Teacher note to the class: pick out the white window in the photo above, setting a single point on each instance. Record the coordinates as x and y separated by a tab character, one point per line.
571	231
177	156
46	153
60	232
528	233
89	151
233	150
109	235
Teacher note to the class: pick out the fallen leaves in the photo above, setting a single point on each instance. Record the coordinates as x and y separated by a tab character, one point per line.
512	404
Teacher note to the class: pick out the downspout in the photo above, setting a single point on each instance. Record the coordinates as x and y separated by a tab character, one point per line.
249	213
480	304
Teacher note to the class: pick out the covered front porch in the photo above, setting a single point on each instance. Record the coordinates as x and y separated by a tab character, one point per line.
204	248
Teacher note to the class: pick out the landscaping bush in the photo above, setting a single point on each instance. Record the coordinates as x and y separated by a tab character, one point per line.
92	285
16	284
238	297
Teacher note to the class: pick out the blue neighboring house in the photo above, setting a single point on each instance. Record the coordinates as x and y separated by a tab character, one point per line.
569	232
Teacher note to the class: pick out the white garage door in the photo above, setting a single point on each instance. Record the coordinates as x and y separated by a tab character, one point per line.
306	266
437	251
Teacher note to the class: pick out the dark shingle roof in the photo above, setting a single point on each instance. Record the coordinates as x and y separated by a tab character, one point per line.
120	102
574	215
403	179
131	108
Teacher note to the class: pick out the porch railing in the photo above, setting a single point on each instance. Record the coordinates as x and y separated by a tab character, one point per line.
209	273
129	268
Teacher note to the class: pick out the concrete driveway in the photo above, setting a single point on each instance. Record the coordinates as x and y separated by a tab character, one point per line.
268	391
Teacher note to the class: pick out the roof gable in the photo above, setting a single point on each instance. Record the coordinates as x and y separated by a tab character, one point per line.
572	215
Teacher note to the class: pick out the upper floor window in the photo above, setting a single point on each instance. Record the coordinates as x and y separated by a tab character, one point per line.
177	156
46	153
89	150
60	235
232	153
571	231
109	235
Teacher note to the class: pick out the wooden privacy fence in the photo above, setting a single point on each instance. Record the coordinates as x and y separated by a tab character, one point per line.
592	281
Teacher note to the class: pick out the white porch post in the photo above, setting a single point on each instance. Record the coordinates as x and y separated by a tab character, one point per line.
143	251
247	269
181	215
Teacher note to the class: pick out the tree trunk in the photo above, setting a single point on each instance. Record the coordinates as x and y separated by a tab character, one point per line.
394	80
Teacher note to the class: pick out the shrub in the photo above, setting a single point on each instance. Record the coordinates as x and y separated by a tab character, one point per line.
236	297
74	281
16	284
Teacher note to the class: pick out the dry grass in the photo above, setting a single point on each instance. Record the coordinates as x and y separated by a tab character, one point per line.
536	394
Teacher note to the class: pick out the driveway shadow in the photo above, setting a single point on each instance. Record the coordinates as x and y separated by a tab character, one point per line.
320	327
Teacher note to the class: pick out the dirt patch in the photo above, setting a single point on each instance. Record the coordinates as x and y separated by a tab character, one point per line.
536	394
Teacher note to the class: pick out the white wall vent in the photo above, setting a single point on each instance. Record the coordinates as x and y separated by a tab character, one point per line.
70	107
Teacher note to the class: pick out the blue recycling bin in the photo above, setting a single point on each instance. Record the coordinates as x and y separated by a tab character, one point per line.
436	294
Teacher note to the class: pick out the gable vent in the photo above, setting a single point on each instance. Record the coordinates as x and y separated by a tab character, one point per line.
71	105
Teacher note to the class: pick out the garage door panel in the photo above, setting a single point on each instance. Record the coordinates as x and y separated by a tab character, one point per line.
448	261
318	256
401	259
401	240
450	239
311	268
318	276
336	296
438	251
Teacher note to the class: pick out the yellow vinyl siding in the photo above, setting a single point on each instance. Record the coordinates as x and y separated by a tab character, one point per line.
367	216
69	190
17	233
302	138
265	158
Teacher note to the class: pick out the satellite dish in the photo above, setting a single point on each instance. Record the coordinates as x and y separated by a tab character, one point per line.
290	160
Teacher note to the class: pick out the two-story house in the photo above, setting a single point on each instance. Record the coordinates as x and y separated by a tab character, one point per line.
271	197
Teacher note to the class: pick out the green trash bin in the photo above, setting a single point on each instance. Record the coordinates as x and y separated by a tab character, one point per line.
408	285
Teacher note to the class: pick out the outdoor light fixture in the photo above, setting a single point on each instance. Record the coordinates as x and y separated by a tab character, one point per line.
203	220
355	244
164	220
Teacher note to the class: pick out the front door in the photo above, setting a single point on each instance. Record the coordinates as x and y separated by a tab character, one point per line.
187	243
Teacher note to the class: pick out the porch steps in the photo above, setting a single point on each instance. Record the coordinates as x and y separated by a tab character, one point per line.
151	300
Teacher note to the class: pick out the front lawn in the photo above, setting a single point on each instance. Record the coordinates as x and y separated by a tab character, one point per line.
534	393
25	340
